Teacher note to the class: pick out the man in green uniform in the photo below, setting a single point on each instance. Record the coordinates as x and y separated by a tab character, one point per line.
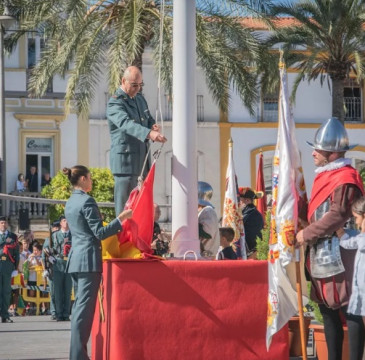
48	259
62	282
131	126
9	260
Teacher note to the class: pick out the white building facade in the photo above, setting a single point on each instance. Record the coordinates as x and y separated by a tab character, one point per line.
39	134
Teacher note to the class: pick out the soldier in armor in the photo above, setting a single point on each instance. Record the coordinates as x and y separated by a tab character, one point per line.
330	268
208	221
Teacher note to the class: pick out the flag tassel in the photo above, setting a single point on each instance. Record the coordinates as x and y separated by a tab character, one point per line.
300	306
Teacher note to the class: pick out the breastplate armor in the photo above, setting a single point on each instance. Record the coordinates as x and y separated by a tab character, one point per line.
325	256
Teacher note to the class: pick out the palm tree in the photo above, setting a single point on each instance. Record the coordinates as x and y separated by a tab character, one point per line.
326	41
86	38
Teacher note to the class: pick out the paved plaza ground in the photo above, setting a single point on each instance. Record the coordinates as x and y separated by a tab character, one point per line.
34	337
40	338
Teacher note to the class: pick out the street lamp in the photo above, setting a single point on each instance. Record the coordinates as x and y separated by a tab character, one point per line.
6	21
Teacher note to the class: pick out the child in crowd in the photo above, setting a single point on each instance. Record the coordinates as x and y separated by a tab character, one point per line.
24	254
21	184
31	266
29	236
357	300
226	238
16	278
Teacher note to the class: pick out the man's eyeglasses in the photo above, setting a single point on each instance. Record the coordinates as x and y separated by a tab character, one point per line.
135	85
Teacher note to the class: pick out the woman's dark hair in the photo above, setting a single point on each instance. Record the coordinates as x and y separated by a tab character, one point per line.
38	246
20	175
75	173
359	206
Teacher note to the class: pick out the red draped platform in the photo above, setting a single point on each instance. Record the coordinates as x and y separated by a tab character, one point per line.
184	310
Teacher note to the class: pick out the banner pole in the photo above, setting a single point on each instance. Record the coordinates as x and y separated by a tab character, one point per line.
300	305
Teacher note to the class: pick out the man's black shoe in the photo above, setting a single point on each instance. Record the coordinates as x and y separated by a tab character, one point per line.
66	319
53	317
6	320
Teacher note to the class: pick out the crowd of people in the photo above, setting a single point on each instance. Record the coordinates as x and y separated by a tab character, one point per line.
30	182
29	260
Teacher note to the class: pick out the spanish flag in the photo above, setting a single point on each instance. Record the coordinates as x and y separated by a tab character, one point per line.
139	229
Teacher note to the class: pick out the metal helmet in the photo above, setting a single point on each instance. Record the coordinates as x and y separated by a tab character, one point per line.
331	136
205	192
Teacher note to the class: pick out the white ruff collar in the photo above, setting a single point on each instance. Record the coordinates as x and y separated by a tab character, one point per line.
337	164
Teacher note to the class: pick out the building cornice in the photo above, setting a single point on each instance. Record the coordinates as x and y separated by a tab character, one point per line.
274	125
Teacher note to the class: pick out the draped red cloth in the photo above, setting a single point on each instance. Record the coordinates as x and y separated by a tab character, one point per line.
139	229
326	182
185	310
261	204
7	252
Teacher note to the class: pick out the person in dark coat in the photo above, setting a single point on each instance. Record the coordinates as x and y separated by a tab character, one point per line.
252	219
32	179
9	260
32	184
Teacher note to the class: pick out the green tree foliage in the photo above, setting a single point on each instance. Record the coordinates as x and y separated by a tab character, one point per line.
362	174
60	189
86	40
262	245
326	41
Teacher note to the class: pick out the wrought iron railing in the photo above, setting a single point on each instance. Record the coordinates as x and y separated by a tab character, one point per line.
270	109
353	109
38	207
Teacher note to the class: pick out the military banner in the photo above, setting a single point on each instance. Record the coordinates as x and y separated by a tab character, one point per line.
232	214
287	189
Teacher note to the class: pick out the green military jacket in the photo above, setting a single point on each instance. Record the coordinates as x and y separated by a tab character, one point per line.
85	223
9	259
129	122
58	244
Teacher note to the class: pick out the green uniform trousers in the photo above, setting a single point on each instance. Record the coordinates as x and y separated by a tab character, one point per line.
123	185
62	288
5	293
87	284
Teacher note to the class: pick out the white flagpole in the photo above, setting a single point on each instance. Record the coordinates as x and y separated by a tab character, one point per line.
184	164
